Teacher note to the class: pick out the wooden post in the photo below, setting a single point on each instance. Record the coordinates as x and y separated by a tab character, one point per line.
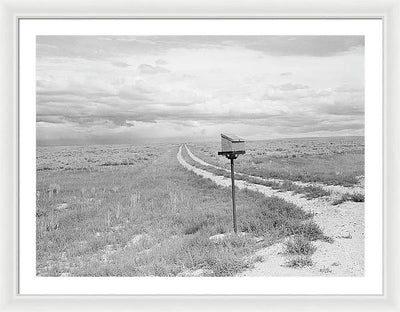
233	195
231	147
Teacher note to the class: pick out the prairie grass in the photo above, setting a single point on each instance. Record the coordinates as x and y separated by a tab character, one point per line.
299	262
334	161
299	245
325	270
354	197
309	192
153	219
311	231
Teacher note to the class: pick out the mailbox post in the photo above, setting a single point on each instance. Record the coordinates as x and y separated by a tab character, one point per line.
231	147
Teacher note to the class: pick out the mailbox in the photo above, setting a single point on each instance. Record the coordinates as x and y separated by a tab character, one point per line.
232	144
231	147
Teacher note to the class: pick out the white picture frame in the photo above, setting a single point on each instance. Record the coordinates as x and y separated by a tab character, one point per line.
13	10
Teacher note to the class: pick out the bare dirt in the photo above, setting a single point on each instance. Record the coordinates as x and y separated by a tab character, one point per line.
332	188
344	223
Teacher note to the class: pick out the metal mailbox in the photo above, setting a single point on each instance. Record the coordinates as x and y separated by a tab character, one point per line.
232	146
232	143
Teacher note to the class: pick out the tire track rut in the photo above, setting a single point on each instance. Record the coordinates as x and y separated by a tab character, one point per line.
332	188
344	223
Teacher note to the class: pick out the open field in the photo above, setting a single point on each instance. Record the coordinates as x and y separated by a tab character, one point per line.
138	211
334	161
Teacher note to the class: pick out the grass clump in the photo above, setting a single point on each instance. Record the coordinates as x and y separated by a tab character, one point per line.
311	231
357	197
299	245
194	226
312	192
226	263
299	262
354	197
273	215
325	270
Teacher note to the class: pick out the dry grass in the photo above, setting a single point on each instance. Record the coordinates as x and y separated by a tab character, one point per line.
354	197
299	262
299	245
93	157
335	160
309	192
153	218
134	211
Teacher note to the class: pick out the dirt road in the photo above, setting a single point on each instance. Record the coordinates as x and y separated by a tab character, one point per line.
332	188
344	223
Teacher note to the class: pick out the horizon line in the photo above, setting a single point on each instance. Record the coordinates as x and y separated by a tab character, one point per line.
191	141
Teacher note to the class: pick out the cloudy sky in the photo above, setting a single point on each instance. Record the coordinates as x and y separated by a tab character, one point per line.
135	89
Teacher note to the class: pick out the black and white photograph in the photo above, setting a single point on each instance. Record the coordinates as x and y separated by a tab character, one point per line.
200	155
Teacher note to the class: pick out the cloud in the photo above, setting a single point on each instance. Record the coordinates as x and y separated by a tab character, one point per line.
120	64
134	93
121	87
161	62
50	119
347	88
291	86
350	106
293	92
121	121
73	85
298	107
105	121
104	47
320	46
344	110
152	70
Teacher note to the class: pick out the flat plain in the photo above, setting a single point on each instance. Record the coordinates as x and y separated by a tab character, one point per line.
165	209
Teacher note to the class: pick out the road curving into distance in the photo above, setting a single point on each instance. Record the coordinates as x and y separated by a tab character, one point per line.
333	188
344	223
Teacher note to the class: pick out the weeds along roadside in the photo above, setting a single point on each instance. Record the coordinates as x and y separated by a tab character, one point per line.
309	192
301	235
299	168
154	220
354	197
